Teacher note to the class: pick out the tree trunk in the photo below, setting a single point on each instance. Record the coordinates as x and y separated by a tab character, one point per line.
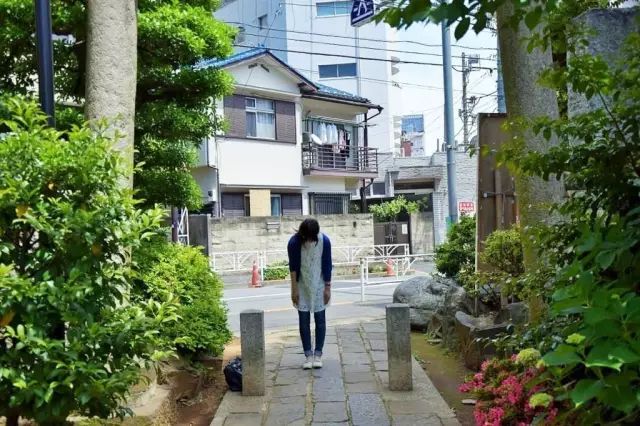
112	69
526	99
12	420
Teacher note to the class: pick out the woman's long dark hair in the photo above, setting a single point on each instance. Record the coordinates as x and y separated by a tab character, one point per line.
309	230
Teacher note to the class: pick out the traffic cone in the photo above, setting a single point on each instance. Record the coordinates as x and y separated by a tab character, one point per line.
255	276
390	272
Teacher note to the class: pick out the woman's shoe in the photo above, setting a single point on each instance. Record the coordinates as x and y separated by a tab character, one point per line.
317	361
308	364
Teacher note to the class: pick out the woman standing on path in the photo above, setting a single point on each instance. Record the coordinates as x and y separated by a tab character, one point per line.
310	266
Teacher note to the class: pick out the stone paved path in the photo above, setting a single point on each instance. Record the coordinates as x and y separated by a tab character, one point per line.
351	388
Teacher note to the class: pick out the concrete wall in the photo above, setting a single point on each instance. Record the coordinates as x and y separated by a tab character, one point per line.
252	233
422	233
466	189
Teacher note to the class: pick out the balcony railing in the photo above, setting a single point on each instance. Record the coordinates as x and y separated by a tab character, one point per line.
331	160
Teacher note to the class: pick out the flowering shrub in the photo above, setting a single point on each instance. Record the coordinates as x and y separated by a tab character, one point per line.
511	391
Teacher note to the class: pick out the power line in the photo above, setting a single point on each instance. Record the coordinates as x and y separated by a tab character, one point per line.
362	58
378	49
379	40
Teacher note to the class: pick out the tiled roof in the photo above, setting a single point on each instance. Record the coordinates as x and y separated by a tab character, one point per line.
322	90
238	57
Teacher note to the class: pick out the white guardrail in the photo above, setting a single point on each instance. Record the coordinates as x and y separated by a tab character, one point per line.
400	264
237	261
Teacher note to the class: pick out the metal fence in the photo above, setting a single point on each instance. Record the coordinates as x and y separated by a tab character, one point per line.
240	261
401	266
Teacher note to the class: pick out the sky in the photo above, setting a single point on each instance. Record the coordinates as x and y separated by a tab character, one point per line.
430	100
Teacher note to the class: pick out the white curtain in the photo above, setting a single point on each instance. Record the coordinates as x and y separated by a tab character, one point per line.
266	125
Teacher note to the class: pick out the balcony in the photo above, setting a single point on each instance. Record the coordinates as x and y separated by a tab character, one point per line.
329	160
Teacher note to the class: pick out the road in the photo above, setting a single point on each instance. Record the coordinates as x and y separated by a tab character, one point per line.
275	300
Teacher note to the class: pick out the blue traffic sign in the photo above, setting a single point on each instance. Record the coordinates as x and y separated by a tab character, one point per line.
362	11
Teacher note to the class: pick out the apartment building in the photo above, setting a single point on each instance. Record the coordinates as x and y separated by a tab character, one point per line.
291	146
315	37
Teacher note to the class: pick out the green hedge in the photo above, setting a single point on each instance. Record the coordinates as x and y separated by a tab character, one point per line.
172	271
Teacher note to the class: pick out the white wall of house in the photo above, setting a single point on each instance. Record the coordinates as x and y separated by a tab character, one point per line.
306	41
206	179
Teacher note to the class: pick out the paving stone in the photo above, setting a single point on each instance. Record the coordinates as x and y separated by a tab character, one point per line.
285	414
367	410
293	376
358	377
292	360
328	386
379	356
243	420
330	412
353	349
364	387
377	335
330	424
355	358
415	420
298	389
410	407
449	421
295	400
383	376
381	365
357	368
239	404
378	345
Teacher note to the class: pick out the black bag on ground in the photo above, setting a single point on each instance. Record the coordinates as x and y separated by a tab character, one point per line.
233	374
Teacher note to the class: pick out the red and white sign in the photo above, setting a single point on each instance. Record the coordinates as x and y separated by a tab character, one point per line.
466	208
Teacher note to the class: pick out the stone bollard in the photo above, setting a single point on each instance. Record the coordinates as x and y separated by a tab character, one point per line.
399	347
252	347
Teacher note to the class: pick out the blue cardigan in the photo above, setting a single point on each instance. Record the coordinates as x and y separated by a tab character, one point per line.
294	249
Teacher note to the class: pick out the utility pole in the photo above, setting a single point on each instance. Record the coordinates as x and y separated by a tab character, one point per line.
448	125
502	106
468	103
44	48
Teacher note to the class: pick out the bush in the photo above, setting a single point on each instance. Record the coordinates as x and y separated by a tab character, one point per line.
508	392
169	271
503	256
71	339
277	271
459	251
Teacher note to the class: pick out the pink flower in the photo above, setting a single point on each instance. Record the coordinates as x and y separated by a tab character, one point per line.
494	417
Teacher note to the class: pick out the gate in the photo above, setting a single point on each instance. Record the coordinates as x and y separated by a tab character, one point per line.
391	233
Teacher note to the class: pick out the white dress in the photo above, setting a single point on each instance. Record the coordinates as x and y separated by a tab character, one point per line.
311	284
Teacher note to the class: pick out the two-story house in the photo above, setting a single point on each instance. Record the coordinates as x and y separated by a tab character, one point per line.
291	146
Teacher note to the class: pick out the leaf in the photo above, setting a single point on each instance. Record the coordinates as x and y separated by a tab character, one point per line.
563	355
461	28
602	356
532	19
605	259
585	390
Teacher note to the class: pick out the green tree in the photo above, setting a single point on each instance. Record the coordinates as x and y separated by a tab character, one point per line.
71	338
173	100
389	210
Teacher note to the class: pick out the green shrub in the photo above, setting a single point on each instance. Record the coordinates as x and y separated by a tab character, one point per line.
459	251
71	339
277	271
169	271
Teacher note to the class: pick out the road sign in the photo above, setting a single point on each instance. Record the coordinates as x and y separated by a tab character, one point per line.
362	11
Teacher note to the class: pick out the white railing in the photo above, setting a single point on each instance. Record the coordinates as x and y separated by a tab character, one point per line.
241	261
400	265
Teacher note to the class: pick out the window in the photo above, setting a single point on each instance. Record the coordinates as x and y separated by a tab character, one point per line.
328	203
276	205
262	22
261	118
233	205
291	204
378	188
337	70
333	8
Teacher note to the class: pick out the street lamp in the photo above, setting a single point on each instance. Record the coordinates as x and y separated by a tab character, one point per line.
44	48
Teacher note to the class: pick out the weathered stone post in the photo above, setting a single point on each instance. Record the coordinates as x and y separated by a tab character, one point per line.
252	347
399	347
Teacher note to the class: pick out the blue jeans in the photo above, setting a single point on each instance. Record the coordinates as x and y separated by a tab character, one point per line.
305	331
